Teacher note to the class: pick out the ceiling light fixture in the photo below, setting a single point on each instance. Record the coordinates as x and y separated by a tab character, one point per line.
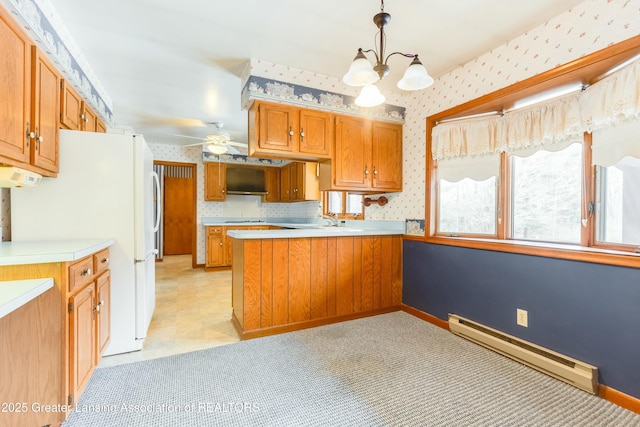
362	73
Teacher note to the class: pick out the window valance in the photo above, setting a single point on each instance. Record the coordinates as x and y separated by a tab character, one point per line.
555	123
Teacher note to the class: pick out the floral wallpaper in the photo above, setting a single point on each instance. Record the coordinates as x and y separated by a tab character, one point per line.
588	27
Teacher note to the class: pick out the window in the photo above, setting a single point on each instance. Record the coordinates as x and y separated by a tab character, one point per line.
546	195
343	204
568	172
616	154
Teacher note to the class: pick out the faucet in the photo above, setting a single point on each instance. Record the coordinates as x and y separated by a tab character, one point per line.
333	221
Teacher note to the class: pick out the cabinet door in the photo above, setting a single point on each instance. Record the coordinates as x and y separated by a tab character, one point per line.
352	156
278	126
15	89
82	328
103	300
100	126
272	184
296	178
70	106
387	156
215	181
215	247
285	183
316	133
88	119
45	109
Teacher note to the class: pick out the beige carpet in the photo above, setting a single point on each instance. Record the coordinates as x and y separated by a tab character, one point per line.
387	370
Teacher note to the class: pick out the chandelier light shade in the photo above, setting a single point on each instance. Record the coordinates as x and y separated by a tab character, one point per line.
416	77
370	96
362	74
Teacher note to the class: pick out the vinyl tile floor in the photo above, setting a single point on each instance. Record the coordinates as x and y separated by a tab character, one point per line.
193	312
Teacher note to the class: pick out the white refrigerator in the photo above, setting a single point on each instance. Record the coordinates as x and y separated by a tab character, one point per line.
106	188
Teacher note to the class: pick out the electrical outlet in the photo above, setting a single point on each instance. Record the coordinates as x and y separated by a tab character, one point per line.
522	317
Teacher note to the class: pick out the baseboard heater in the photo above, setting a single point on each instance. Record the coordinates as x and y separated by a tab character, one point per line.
564	368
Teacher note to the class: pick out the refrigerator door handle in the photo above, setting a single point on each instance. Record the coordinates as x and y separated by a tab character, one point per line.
156	178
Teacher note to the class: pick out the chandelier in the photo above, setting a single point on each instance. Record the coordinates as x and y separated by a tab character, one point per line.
362	74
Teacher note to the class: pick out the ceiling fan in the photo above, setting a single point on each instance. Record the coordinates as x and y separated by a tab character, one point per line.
218	142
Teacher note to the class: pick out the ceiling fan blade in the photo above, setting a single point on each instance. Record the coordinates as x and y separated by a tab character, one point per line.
192	137
193	145
232	150
236	144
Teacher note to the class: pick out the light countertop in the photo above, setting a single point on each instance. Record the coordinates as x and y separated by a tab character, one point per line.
16	293
310	232
39	252
308	227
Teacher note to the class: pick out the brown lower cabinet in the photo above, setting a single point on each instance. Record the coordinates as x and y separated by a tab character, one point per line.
50	347
280	285
219	252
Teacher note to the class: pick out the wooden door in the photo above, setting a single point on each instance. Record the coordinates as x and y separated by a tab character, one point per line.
70	106
215	182
278	128
45	109
352	158
387	156
15	89
179	209
82	327
316	133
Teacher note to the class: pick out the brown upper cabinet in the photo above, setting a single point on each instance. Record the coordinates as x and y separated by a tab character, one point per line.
289	132
215	182
70	107
299	182
44	113
272	184
367	157
29	89
75	114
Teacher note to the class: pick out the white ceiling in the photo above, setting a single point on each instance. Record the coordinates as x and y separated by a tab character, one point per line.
162	61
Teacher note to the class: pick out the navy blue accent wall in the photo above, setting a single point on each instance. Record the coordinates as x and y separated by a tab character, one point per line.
590	312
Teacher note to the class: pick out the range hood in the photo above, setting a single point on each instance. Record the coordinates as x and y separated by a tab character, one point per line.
11	177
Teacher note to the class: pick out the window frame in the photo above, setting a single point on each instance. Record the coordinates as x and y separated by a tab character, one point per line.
343	215
586	70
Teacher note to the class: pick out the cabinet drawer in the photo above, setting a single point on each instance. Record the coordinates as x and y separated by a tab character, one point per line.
101	261
80	273
214	230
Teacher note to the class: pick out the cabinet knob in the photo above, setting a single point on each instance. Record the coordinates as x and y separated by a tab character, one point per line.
290	133
105	260
85	272
302	133
375	172
366	171
220	243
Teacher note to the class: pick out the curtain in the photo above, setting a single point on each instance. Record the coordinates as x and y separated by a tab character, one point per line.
549	125
476	168
613	100
610	145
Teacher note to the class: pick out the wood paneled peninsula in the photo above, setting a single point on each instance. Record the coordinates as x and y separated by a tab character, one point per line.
290	279
51	332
